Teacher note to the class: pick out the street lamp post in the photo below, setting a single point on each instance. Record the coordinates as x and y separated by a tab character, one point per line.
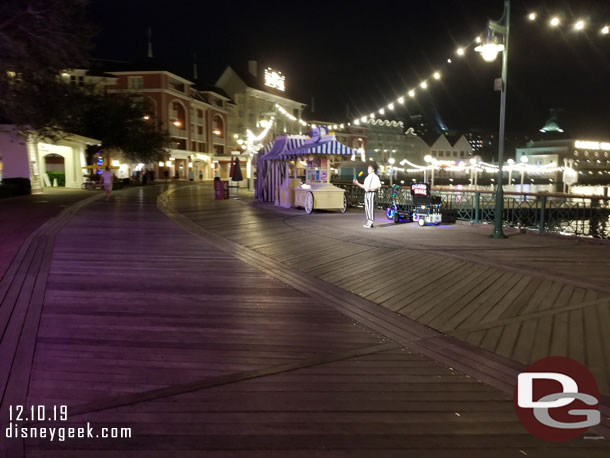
489	52
428	160
523	162
391	161
510	171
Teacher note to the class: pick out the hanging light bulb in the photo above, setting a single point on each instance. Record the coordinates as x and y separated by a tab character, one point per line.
381	111
555	21
605	30
580	25
437	76
423	85
532	16
412	93
460	51
401	100
391	106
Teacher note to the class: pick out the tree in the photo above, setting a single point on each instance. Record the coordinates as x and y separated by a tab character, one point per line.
39	39
122	122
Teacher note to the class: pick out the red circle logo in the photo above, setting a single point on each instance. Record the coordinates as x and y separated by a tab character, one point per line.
557	399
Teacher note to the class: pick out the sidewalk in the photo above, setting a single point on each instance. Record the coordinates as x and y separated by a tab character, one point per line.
204	347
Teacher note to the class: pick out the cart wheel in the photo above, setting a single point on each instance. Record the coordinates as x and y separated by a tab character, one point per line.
344	209
396	217
421	222
389	213
309	202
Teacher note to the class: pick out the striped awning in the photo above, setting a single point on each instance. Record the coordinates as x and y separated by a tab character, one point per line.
290	146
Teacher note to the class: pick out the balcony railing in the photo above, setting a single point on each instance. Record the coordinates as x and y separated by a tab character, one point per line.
175	132
587	216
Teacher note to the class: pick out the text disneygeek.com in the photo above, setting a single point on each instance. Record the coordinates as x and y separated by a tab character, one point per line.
25	423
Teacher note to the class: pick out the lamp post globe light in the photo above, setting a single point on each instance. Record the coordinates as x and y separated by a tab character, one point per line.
427	159
391	161
524	161
489	51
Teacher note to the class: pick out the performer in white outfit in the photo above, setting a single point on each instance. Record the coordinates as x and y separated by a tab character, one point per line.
371	186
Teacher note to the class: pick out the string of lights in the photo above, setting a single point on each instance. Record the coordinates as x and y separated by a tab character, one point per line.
489	51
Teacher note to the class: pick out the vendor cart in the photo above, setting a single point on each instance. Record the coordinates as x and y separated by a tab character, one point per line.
320	196
294	158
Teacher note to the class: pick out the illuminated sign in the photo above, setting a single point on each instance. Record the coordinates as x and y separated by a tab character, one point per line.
420	189
274	79
605	146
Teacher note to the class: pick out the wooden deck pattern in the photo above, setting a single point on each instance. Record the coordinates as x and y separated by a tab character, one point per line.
133	321
518	301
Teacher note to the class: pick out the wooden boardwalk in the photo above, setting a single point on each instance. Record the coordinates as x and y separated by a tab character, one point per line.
522	298
221	336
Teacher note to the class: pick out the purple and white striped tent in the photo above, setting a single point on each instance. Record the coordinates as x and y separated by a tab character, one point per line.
273	156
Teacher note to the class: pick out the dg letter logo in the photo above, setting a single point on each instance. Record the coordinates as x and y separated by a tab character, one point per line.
557	399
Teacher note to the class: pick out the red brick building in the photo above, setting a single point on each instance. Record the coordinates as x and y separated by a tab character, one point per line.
194	115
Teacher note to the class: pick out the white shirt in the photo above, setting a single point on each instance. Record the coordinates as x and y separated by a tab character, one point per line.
371	181
107	176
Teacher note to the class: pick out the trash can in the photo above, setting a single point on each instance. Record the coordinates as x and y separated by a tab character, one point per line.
221	190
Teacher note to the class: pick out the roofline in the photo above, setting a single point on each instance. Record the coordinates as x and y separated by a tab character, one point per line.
149	72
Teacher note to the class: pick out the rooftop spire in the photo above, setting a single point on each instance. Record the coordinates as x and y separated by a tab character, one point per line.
150	53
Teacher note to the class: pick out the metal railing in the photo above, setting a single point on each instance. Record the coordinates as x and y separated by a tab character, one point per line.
559	213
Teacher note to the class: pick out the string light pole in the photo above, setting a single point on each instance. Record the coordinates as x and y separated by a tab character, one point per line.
489	51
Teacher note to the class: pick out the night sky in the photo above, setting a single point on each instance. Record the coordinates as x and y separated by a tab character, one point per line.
355	57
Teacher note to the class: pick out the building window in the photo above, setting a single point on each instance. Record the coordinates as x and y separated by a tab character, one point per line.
219	149
135	82
200	130
77	80
179	143
218	127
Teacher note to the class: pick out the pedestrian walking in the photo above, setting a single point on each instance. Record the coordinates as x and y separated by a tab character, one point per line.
371	186
107	180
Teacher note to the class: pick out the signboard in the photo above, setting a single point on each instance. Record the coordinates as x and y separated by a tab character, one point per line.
275	79
583	144
420	189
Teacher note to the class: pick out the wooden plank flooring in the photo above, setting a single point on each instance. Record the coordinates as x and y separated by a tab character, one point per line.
209	352
458	288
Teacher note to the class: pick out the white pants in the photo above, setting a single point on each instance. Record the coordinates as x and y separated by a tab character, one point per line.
369	206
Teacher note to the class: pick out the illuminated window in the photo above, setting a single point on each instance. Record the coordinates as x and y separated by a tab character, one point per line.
218	127
135	82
